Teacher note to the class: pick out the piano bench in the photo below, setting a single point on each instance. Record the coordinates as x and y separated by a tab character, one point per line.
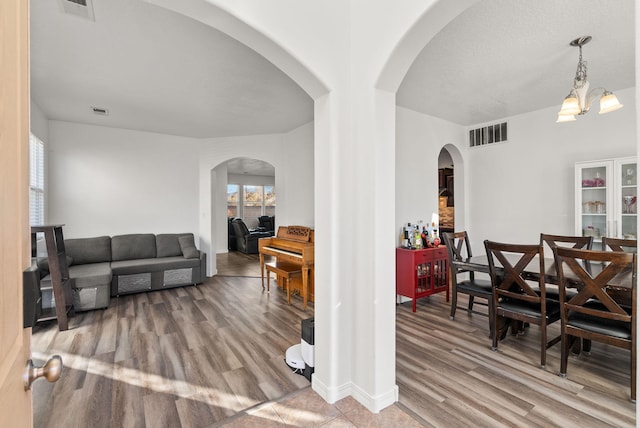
283	270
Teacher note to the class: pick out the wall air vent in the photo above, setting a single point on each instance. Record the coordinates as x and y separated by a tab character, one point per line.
101	111
496	133
81	8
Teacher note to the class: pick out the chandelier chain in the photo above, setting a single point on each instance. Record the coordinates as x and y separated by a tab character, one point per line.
581	72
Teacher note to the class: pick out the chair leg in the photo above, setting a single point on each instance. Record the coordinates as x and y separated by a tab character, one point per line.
492	320
543	344
268	279
470	306
454	302
496	331
564	354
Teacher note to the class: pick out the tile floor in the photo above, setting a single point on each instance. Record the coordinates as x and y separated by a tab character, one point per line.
305	408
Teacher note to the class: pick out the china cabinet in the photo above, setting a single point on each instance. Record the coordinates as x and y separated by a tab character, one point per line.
606	199
421	273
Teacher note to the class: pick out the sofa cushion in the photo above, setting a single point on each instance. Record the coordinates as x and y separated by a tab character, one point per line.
89	250
133	247
90	275
167	244
129	267
188	247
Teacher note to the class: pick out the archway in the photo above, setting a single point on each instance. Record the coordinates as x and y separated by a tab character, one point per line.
349	330
247	187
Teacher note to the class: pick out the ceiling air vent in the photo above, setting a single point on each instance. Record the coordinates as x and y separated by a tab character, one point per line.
81	8
489	134
101	111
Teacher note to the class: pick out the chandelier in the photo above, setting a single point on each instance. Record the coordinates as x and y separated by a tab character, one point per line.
579	100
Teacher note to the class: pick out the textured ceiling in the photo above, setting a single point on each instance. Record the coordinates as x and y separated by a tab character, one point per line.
506	57
158	71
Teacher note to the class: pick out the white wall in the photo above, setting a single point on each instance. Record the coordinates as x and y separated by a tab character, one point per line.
419	140
39	123
515	190
526	186
107	181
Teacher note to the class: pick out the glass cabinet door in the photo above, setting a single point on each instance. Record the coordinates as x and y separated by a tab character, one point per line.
593	197
627	200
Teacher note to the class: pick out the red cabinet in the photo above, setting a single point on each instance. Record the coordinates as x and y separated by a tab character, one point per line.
421	273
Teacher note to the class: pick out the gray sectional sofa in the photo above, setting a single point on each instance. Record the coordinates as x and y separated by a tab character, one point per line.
104	267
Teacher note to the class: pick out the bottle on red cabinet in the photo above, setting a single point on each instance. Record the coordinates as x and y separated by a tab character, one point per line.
417	240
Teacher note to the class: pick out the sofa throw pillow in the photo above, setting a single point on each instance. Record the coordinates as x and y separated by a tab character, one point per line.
188	247
43	263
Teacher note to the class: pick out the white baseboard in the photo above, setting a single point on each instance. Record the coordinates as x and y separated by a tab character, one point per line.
373	404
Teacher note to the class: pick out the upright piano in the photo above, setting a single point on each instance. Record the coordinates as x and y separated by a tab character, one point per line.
292	244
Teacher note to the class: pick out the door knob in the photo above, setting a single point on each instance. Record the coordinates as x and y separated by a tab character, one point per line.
51	371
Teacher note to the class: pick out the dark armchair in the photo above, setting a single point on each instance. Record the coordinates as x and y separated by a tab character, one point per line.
247	241
268	223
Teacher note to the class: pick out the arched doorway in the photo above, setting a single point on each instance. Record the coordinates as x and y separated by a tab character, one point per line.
346	366
446	201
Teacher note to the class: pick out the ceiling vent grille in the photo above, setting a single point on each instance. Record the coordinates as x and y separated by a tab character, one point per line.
496	133
81	8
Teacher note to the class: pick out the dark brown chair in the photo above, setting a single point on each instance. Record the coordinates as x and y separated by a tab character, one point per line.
552	241
593	313
618	244
459	248
579	242
516	298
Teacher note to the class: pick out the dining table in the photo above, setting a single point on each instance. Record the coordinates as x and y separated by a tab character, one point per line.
618	284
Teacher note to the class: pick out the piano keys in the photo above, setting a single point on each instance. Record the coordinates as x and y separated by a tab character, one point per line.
292	244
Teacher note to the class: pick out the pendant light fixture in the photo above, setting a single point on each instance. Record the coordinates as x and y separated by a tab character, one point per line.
579	100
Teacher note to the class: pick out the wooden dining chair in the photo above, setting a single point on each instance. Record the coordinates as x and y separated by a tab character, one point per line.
517	298
580	242
619	244
459	248
552	241
594	313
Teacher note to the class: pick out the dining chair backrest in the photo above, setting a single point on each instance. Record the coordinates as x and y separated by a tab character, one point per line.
619	244
458	245
580	242
595	285
509	276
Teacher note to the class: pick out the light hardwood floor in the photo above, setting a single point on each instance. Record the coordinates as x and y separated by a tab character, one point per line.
448	375
213	354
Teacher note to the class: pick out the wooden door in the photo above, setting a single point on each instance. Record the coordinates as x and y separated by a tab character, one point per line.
15	403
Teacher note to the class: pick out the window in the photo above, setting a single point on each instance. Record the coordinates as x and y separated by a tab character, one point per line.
269	201
252	202
256	201
232	200
36	181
